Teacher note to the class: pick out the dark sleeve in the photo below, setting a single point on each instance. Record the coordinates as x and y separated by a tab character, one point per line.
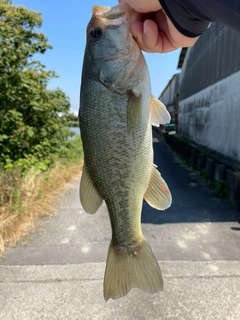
192	17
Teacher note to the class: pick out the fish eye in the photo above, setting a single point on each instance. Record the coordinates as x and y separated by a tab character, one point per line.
96	33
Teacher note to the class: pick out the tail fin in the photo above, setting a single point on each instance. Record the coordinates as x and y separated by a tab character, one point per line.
135	269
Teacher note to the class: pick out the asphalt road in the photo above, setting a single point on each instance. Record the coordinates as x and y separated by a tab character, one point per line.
59	273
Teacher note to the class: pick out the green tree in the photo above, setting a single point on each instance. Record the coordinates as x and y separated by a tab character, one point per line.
31	130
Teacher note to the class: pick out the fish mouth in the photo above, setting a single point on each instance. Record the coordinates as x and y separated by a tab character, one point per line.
113	17
109	13
113	14
107	16
99	10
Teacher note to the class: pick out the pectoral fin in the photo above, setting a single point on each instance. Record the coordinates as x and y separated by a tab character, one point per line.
89	196
159	113
134	112
158	195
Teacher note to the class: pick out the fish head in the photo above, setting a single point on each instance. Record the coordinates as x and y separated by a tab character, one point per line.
111	48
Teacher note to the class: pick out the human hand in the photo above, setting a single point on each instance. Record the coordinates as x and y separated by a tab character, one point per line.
154	32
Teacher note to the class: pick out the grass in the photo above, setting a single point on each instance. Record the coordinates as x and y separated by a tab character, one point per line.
23	199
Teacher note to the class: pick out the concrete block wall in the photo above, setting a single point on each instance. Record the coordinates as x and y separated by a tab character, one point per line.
211	117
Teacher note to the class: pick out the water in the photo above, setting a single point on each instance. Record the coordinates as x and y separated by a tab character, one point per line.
75	130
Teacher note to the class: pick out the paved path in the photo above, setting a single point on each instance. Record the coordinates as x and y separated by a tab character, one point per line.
59	273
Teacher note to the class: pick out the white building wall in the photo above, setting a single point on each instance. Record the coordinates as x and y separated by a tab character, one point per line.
168	95
211	117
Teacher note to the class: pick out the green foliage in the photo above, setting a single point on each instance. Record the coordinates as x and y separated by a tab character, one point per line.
73	124
186	162
72	120
220	189
31	131
71	117
219	186
205	174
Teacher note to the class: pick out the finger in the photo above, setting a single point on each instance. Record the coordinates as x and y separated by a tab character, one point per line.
150	35
137	31
149	39
156	34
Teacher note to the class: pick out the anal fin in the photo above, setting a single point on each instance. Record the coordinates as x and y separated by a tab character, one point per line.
158	195
89	196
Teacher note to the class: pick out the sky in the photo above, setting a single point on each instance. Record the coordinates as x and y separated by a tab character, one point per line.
64	24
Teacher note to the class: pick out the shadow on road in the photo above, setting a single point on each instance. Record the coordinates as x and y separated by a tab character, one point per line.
235	229
193	200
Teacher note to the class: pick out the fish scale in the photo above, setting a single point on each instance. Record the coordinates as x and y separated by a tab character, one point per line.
109	154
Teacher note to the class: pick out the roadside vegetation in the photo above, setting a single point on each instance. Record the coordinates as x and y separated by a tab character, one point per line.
36	155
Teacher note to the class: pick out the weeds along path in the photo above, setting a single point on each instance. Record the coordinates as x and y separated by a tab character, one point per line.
25	199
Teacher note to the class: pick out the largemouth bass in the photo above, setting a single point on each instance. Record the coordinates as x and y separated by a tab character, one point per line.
116	112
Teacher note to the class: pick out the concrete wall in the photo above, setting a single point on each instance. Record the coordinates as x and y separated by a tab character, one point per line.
211	117
209	95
